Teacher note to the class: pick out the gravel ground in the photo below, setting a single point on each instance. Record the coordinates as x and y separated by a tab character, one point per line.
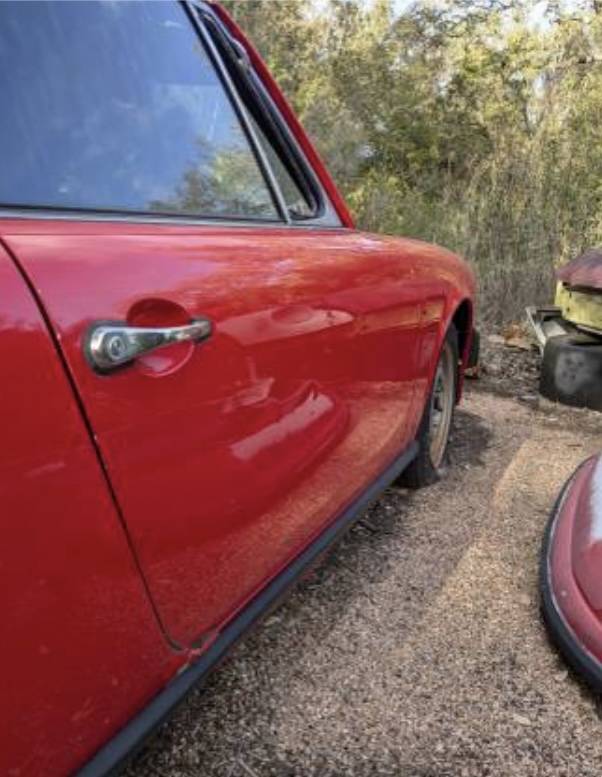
416	649
509	371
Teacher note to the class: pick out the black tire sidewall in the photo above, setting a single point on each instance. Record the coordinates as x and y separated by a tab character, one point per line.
451	339
571	371
422	471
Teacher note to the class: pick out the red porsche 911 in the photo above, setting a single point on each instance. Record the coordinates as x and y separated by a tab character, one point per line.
208	371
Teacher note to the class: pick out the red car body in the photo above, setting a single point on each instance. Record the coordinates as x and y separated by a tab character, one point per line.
571	571
152	514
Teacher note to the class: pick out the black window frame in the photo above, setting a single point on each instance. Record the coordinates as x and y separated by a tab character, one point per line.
191	9
253	98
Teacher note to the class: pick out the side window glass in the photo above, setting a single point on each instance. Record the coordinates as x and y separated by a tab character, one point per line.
295	200
117	107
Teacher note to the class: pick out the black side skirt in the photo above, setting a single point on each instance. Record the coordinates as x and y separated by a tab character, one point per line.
131	738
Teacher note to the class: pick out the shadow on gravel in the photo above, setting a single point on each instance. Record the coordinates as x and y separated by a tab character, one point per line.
344	593
471	438
387	534
341	580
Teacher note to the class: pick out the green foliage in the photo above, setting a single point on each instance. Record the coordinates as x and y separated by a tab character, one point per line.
472	123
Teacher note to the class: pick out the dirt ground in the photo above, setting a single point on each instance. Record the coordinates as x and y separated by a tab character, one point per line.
416	649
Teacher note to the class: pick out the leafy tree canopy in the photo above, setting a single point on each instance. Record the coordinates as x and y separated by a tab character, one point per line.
473	123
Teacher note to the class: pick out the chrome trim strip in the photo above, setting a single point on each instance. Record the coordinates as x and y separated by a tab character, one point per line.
82	216
545	322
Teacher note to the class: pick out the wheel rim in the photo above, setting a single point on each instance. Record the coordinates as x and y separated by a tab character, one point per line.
442	406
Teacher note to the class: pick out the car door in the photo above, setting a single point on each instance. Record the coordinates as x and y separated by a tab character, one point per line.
145	208
82	650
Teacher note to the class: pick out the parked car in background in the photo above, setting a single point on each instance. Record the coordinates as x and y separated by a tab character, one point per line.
569	334
571	572
207	371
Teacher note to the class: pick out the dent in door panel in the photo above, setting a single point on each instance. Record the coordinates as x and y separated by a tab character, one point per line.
312	355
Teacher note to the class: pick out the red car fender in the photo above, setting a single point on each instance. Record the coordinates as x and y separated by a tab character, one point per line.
449	297
570	571
458	308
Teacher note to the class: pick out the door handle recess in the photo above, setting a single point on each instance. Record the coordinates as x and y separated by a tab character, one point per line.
110	345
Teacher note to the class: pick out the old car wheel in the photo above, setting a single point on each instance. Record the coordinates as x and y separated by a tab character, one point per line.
571	370
434	431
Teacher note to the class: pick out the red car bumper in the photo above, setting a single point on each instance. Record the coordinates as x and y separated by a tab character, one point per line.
571	572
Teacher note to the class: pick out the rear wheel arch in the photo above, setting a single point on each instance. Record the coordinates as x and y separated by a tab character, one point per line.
462	319
424	470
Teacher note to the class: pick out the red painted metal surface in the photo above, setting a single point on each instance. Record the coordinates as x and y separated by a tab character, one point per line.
226	458
584	271
81	648
576	558
229	456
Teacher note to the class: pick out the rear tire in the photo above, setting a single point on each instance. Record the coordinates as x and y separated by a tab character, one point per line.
437	419
571	370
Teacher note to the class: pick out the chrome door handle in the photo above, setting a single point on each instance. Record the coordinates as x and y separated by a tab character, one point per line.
111	345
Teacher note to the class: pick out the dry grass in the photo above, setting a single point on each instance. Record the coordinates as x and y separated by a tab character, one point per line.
515	217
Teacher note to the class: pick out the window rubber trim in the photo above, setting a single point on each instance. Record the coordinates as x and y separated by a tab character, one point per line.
192	12
244	79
